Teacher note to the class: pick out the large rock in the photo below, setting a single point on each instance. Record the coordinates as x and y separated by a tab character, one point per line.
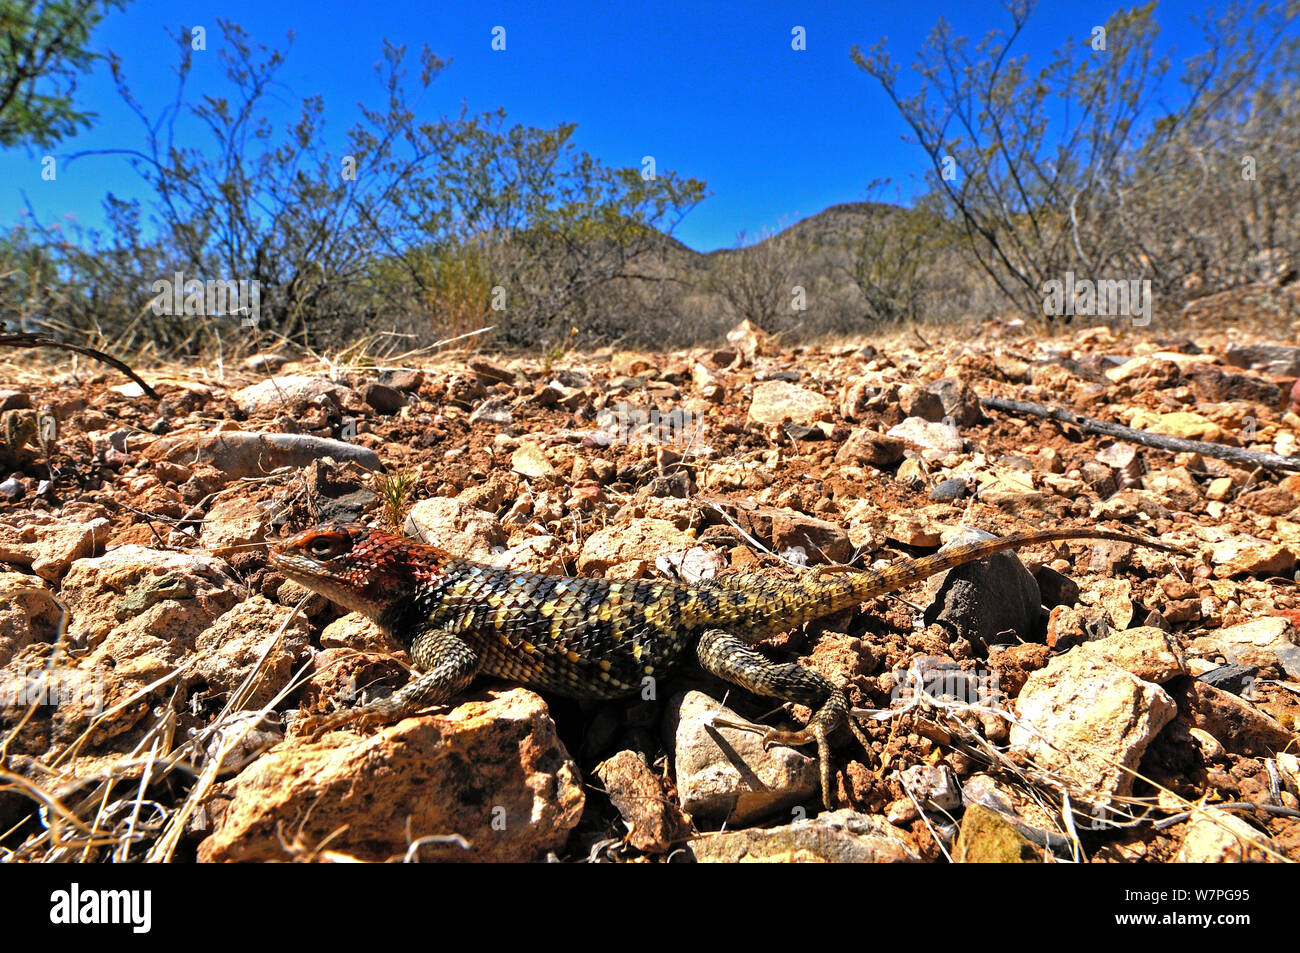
991	601
819	540
724	773
233	647
869	447
843	836
491	770
639	795
1087	720
50	545
641	540
923	434
239	453
280	394
28	613
457	527
1150	653
1221	839
987	837
1260	642
777	401
1238	725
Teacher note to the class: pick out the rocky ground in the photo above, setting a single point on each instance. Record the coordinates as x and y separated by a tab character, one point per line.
1079	701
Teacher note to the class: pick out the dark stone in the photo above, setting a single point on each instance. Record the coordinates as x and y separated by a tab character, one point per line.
384	399
994	601
949	490
1230	678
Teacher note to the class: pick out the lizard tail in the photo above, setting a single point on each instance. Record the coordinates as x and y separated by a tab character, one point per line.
868	584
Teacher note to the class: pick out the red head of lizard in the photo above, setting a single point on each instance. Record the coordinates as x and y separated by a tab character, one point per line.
366	570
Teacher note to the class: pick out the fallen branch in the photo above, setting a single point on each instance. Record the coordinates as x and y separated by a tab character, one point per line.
35	340
1251	458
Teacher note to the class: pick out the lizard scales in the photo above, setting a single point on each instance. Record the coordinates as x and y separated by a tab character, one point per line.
593	637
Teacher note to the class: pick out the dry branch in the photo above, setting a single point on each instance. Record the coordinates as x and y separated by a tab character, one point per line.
1250	458
35	340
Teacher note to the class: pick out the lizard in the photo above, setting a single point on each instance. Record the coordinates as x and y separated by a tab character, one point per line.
597	638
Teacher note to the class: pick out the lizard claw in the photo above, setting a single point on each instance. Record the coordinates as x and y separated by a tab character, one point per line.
314	726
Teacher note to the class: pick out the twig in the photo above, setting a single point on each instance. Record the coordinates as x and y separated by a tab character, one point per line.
1254	458
26	339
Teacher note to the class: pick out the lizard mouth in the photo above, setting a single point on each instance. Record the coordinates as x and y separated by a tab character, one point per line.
317	577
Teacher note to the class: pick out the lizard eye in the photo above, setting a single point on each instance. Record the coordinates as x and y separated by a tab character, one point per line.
328	545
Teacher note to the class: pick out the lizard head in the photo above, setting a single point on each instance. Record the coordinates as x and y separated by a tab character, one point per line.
363	569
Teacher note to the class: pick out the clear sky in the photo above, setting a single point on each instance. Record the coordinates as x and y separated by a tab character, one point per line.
711	90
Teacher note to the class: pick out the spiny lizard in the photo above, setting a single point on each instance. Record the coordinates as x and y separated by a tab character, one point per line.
592	637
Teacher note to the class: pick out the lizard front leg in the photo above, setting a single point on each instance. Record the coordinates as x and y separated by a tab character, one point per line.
447	664
737	662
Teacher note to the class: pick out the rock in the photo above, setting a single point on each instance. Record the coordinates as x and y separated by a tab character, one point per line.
14	400
28	613
819	540
934	786
529	461
235	524
239	453
917	401
1235	679
238	739
987	837
278	394
48	545
1246	555
1025	814
1222	838
494	411
724	773
535	554
1087	719
1238	725
639	795
1212	385
692	566
644	539
13	490
1147	369
230	649
355	631
775	402
462	529
263	363
869	448
175	594
1151	654
1054	588
1271	501
950	490
992	601
1182	423
382	398
750	340
491	770
843	836
1260	642
1277	359
961	405
490	371
406	380
925	435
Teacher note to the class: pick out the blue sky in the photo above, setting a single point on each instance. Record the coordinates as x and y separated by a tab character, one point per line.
711	90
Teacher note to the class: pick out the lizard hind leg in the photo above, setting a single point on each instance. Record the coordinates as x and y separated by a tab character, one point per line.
740	663
447	664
